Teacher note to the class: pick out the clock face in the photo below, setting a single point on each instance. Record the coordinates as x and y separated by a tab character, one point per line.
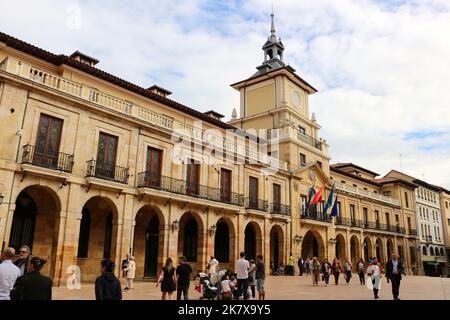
296	99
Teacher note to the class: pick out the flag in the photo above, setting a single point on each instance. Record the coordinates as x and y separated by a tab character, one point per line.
329	203
318	196
335	210
312	192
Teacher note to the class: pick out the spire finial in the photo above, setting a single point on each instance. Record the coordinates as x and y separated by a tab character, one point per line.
272	30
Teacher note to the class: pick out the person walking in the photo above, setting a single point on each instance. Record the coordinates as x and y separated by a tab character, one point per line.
336	270
242	267
8	273
394	270
252	278
33	285
182	275
315	271
107	285
326	270
308	266
211	269
124	267
291	265
300	265
130	272
24	259
360	268
260	276
167	279
374	272
348	270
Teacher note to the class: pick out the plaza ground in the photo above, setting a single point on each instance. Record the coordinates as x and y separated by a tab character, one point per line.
292	288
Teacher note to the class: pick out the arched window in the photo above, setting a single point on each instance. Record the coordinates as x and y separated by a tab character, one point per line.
83	240
442	252
24	221
424	251
108	237
431	251
190	240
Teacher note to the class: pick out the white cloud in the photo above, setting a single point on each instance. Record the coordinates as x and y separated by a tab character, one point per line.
381	67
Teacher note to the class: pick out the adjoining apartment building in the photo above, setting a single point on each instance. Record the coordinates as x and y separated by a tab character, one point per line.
93	167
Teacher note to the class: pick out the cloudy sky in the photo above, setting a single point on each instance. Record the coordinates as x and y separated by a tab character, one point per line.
382	67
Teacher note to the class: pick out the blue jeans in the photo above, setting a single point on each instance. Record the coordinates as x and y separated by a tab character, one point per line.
184	290
348	276
326	277
242	285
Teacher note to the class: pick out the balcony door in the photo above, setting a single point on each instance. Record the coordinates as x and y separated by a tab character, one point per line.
106	156
192	178
153	167
253	192
225	185
276	197
47	141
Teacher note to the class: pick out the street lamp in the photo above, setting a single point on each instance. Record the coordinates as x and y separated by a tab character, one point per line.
332	241
175	225
298	239
213	229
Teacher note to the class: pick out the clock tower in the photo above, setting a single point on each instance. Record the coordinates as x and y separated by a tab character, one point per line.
276	98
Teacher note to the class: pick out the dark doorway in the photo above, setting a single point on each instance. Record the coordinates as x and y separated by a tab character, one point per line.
275	244
190	240
24	221
151	248
222	242
250	242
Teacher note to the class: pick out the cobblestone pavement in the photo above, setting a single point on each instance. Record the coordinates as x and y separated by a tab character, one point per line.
293	288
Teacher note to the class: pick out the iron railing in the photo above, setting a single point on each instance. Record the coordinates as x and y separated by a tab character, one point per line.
309	140
412	232
343	221
47	159
256	204
278	208
315	215
107	171
178	186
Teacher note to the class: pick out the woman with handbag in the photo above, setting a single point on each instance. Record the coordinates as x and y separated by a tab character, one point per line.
360	268
336	270
315	270
374	272
326	270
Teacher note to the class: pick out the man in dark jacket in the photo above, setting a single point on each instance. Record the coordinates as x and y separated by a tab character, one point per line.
33	285
107	286
394	270
24	259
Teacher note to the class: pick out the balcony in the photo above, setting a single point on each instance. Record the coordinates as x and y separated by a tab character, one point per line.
429	239
309	140
278	208
256	204
107	171
178	186
315	215
343	221
366	194
46	159
412	232
357	223
136	112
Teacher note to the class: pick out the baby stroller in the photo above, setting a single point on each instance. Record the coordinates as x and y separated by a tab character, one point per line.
209	291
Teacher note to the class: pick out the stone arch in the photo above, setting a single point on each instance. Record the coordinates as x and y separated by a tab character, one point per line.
101	238
35	223
367	244
354	250
313	245
431	251
252	240
148	241
191	239
277	246
340	247
424	251
225	242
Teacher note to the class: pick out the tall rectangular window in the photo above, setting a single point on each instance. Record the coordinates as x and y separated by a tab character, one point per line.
377	217
302	159
406	200
225	185
106	156
304	199
366	215
47	141
352	213
276	197
253	191
409	224
153	167
192	177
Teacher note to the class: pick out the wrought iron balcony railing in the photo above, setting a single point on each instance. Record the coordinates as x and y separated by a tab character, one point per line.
315	215
343	221
412	232
178	186
357	223
278	208
256	204
47	159
309	140
107	171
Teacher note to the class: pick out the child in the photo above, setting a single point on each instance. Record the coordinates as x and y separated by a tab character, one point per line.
233	287
226	288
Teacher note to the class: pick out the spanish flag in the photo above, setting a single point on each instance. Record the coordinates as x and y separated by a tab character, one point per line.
318	197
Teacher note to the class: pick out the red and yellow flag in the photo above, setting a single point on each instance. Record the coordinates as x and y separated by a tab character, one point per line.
318	196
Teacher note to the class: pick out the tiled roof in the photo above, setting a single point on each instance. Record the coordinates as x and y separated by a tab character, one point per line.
349	164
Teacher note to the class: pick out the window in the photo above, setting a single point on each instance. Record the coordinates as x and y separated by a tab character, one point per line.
47	141
83	239
356	186
446	204
301	130
303	200
192	177
387	193
339	208
377	217
153	167
302	159
276	197
406	200
388	220
409	224
352	212
106	156
320	164
253	191
366	215
424	251
225	185
397	220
